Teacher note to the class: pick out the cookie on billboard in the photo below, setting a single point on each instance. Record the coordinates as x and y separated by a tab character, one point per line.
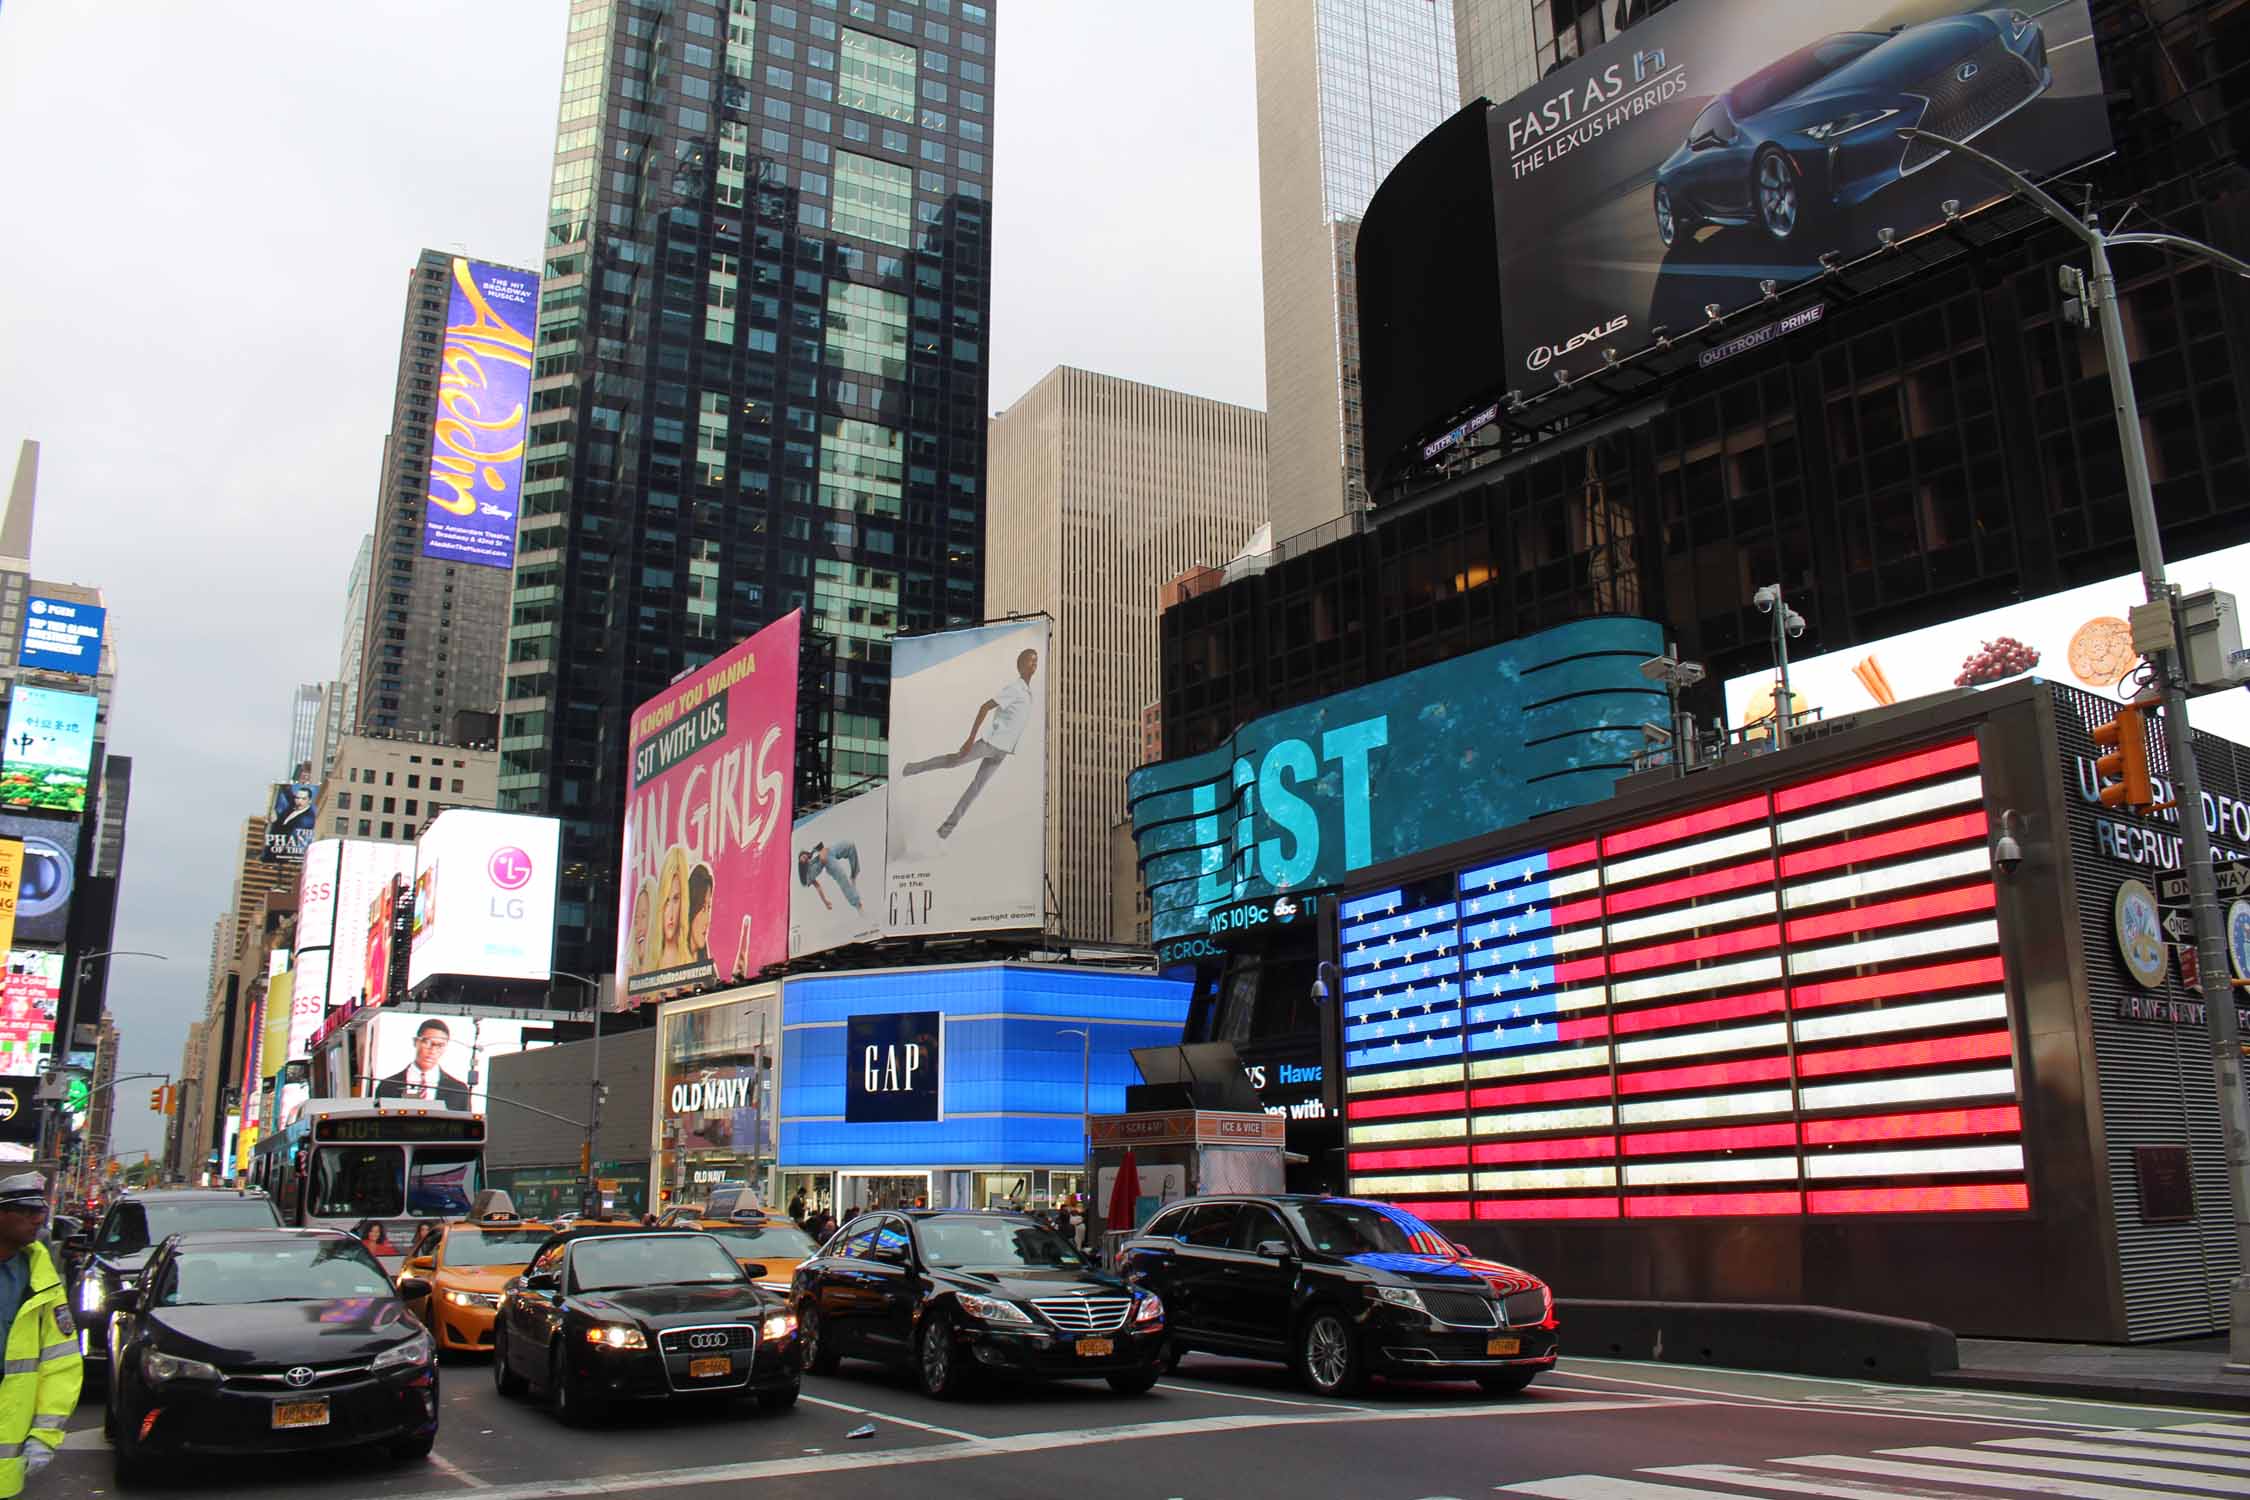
2101	652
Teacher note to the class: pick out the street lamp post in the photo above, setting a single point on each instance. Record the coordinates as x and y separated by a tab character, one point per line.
1085	1036
589	1197
2100	307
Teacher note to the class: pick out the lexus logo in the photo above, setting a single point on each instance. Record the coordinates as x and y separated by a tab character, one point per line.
1967	71
707	1341
300	1377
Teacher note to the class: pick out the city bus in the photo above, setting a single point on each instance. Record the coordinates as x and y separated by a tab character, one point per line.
376	1168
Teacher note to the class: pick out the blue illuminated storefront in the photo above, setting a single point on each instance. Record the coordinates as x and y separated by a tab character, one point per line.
958	1085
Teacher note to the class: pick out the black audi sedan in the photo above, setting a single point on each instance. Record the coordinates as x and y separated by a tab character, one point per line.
258	1341
111	1258
1341	1289
621	1315
954	1294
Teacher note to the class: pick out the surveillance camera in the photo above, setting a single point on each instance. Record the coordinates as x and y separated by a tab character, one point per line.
1711	311
1766	598
1886	237
2007	853
1794	623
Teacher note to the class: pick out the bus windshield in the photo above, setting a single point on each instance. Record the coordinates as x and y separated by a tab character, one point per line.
378	1182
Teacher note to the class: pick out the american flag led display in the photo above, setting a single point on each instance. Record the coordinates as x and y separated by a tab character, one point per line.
1783	1003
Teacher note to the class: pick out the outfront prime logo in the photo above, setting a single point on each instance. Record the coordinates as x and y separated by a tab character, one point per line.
1543	355
510	868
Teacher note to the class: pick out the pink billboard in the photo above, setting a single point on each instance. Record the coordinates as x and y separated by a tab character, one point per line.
703	896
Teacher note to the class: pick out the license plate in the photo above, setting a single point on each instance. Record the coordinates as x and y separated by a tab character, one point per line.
1503	1346
1095	1348
301	1413
705	1369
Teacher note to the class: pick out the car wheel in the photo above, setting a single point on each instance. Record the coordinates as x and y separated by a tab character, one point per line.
937	1364
504	1379
129	1466
573	1406
1137	1382
813	1347
1174	1352
779	1400
413	1450
1669	225
1507	1382
1328	1359
1779	193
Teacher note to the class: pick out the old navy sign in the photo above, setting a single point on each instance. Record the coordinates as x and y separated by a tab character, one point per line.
893	1065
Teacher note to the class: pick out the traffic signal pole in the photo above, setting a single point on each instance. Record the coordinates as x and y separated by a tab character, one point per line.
2224	1027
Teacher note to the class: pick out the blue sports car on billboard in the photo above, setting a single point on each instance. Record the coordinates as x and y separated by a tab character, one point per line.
1815	134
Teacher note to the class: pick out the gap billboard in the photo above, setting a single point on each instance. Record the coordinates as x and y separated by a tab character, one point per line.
1722	145
837	858
484	395
703	893
1231	839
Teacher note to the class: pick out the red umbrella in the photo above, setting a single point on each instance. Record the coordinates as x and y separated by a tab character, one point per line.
1124	1196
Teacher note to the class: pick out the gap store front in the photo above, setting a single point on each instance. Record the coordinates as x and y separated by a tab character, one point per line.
957	1087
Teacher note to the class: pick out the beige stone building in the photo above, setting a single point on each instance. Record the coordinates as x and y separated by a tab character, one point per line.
1103	491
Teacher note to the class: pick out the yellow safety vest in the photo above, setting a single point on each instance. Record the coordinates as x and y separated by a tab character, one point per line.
40	1378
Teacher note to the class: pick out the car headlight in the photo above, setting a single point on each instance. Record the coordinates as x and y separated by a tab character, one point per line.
1844	125
158	1368
616	1336
991	1309
472	1299
415	1351
1150	1309
2018	23
778	1325
1398	1296
93	1293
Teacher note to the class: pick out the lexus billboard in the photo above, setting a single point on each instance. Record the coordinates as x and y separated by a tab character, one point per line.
1719	147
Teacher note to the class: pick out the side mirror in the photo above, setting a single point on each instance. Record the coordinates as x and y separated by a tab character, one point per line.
1463	1251
421	1263
1275	1249
121	1300
753	1269
413	1288
541	1281
889	1255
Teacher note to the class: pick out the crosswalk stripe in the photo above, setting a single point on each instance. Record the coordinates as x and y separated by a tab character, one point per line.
1713	1474
2185	1479
2233	1463
2032	1484
2214	1429
2172	1437
1599	1487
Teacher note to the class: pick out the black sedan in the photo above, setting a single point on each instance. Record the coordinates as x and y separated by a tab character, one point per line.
112	1258
600	1317
1815	133
1340	1288
953	1295
251	1342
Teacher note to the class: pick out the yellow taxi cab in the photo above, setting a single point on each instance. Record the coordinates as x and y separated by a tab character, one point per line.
757	1239
464	1264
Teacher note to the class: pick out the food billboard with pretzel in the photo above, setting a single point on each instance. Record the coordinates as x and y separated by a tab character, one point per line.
2079	636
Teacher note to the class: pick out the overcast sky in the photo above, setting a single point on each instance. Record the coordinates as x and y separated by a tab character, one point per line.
211	210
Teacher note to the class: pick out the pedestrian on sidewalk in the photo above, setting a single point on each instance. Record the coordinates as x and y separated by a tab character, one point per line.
40	1389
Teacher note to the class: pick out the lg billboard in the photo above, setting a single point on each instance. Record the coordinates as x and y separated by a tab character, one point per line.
484	897
1722	146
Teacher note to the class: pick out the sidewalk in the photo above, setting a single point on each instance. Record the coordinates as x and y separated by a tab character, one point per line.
2190	1372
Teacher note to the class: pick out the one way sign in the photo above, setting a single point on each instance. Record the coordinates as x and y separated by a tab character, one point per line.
2178	926
2233	880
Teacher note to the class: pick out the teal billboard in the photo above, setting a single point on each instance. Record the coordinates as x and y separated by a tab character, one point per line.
1231	840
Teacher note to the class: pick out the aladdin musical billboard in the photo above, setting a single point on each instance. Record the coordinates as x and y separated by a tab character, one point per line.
1721	147
703	897
484	394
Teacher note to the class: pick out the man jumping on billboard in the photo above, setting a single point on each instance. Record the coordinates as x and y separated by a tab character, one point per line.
831	860
1008	710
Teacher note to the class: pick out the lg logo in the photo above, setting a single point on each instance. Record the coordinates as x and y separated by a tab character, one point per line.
510	869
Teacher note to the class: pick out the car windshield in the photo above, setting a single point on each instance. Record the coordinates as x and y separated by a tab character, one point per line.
493	1247
967	1241
1801	69
289	1271
756	1241
136	1226
1365	1228
603	1265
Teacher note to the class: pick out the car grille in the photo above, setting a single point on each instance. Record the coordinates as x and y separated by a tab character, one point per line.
1466	1309
1962	111
276	1377
693	1341
1526	1307
1086	1314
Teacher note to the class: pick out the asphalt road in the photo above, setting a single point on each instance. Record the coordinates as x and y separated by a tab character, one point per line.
1220	1430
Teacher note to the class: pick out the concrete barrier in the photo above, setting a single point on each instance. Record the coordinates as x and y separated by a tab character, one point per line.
1778	1337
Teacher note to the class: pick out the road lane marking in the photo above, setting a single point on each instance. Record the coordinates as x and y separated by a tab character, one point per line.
1004	1447
1205	1390
1711	1396
2236	1430
2191	1479
2035	1484
2232	1463
1571	1364
452	1470
1788	1484
884	1416
1597	1487
2178	1437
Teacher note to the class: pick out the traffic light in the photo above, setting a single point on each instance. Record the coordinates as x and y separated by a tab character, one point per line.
2122	769
156	1099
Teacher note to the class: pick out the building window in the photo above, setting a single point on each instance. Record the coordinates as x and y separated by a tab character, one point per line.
874	199
877	75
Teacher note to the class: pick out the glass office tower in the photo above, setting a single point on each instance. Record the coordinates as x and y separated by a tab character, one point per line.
760	380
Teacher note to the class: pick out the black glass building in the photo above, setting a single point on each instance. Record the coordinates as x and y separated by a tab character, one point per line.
760	380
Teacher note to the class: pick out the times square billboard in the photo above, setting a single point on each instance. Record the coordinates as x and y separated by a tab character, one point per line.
484	396
1719	146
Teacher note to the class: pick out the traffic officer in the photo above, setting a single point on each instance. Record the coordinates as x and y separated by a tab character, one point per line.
40	1377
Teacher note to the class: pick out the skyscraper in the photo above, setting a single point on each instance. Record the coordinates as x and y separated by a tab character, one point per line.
304	727
1506	46
1103	491
434	628
759	382
1345	88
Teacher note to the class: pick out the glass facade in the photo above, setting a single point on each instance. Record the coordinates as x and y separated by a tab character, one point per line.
715	1095
760	380
1506	46
1386	79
